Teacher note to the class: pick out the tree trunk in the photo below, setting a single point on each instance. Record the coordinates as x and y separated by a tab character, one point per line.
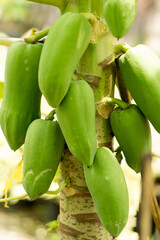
78	219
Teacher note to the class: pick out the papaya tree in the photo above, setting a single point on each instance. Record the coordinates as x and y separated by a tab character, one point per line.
75	65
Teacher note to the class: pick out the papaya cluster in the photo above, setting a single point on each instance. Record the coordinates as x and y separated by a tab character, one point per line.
48	69
36	69
140	70
130	122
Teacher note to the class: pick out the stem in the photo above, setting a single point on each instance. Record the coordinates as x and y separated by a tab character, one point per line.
34	38
123	90
5	41
50	116
13	198
145	209
56	3
155	155
63	184
120	103
155	210
60	188
121	48
78	218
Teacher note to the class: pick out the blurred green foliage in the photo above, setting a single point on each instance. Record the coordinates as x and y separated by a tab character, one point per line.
14	9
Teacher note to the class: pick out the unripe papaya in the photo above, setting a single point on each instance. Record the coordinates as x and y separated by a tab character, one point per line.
140	68
119	15
43	149
107	185
66	42
132	131
21	101
76	117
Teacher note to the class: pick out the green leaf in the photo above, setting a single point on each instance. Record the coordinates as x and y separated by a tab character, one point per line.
52	225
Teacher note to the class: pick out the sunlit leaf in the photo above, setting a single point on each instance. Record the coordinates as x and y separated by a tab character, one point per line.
17	175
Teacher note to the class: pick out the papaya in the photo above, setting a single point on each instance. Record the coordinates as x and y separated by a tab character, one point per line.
22	97
119	15
76	117
132	131
66	42
140	69
107	185
43	149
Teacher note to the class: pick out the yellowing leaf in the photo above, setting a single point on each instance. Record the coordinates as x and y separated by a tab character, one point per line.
17	175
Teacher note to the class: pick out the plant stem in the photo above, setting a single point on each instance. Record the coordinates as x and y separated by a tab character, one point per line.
6	41
63	184
121	48
123	90
57	3
34	38
155	155
13	198
50	116
155	210
60	188
145	208
120	103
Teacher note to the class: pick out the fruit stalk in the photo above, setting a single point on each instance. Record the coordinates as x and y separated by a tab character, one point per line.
37	36
6	41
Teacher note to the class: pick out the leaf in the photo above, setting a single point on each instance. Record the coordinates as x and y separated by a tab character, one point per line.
52	225
17	175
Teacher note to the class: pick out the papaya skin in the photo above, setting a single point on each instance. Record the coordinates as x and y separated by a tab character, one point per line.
140	68
119	15
65	44
132	131
107	185
22	97
76	117
43	149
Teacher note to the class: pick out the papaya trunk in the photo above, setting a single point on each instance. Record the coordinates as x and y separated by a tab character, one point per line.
78	218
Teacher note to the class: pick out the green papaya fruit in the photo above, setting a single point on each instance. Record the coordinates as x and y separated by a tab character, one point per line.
119	15
65	44
140	69
43	149
21	101
76	117
107	185
132	131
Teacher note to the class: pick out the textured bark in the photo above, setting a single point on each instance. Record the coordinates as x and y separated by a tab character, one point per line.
78	218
